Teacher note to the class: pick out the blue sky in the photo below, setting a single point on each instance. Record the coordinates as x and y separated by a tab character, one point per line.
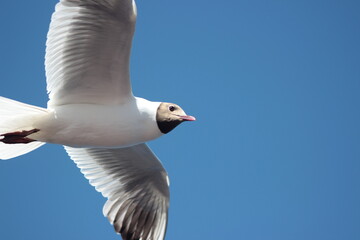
275	152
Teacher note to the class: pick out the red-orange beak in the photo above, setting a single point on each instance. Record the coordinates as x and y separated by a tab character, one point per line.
187	118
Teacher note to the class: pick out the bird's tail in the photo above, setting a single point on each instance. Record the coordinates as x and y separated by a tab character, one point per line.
15	126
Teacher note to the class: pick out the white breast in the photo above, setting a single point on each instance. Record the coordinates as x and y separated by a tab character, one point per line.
92	125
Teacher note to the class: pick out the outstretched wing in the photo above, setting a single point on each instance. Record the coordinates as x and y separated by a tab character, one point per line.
88	51
136	185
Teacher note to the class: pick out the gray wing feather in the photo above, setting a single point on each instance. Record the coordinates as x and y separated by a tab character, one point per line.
136	185
88	51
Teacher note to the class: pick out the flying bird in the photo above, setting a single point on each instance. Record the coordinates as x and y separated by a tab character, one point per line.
94	114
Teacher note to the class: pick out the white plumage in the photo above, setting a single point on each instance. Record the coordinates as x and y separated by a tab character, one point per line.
92	111
89	41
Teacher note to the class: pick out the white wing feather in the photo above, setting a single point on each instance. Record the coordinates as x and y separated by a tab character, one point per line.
88	51
136	185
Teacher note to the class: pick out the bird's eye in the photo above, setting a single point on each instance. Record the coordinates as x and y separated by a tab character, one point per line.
172	108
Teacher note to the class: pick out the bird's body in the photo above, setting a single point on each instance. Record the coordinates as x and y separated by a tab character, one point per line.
92	112
93	125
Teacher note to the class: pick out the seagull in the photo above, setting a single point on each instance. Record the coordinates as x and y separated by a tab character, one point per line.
94	114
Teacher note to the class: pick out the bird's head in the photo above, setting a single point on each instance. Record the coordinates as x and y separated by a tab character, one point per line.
169	116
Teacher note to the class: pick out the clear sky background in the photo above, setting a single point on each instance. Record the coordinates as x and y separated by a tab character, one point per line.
275	152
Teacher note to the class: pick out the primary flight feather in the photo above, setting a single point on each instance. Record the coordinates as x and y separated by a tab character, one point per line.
94	114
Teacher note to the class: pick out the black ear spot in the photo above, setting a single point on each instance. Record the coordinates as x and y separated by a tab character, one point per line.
172	108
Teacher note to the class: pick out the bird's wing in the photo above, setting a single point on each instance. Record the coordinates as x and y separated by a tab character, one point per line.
88	50
136	185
